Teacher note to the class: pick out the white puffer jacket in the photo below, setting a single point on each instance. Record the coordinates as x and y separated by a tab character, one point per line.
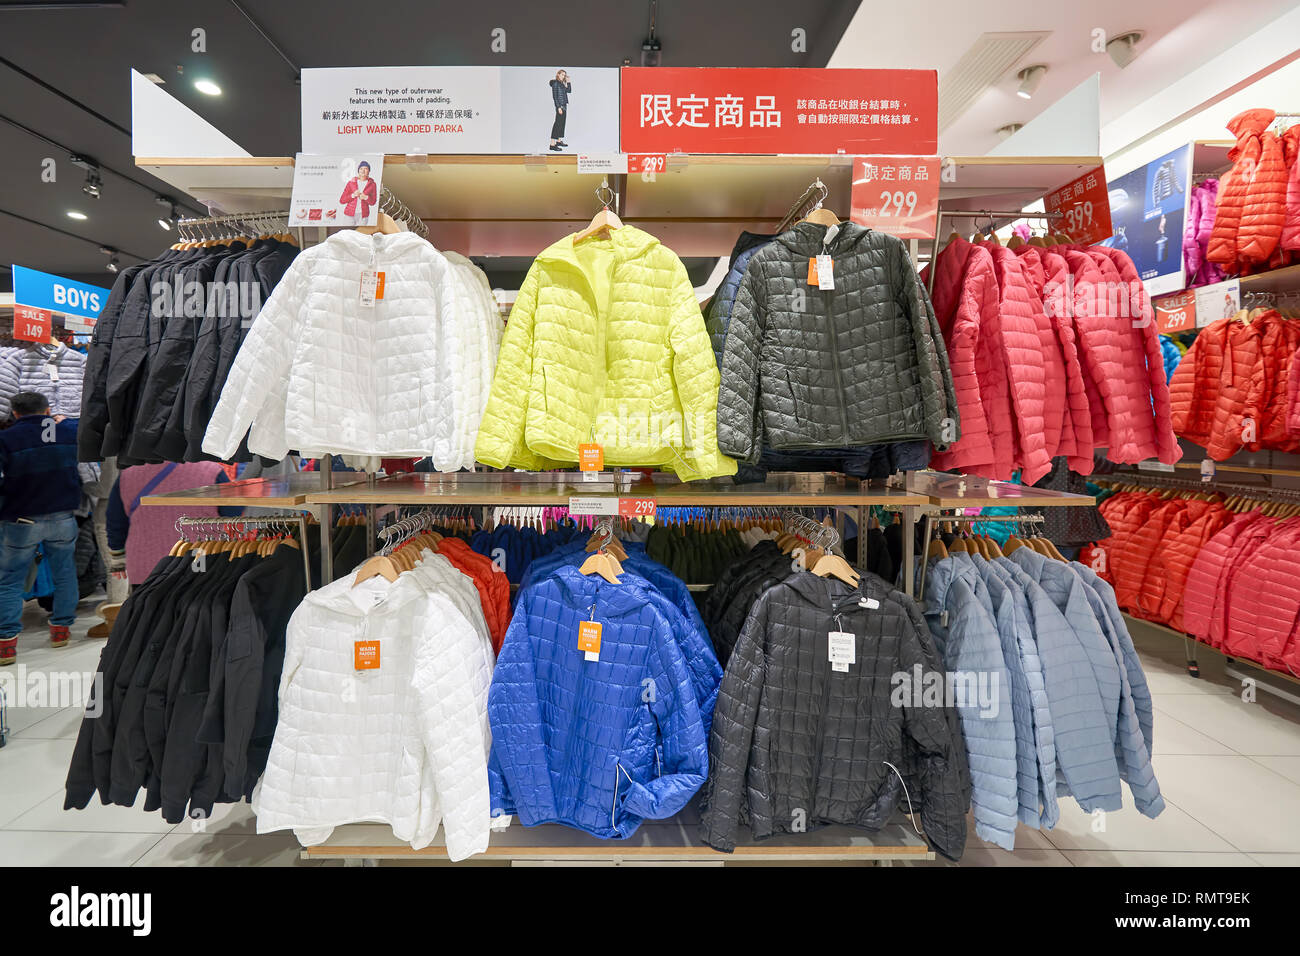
405	744
321	373
482	358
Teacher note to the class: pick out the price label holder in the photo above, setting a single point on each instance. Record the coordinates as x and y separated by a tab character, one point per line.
595	505
589	639
636	507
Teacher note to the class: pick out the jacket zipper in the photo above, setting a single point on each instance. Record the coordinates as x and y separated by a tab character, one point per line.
823	663
835	362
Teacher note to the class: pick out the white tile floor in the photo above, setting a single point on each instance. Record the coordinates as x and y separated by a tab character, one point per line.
1229	771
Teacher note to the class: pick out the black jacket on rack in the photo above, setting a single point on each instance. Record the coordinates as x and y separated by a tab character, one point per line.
803	744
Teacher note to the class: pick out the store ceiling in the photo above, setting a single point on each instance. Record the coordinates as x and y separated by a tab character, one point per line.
65	74
1180	36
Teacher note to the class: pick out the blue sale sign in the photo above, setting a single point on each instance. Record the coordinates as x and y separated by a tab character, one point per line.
41	290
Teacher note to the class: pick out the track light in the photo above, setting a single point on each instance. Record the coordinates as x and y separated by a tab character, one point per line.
1123	48
1029	79
1005	132
113	262
169	220
93	184
112	265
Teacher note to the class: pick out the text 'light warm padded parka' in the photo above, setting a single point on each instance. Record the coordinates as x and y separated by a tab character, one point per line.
860	364
605	343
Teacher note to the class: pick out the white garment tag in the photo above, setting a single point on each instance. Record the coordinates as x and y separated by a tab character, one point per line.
842	650
831	233
52	371
841	668
369	286
871	604
591	655
501	822
825	272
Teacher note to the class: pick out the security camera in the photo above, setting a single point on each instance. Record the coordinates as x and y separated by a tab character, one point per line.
1123	48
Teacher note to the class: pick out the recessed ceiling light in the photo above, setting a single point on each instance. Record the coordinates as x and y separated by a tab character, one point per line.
154	78
73	214
1029	79
207	87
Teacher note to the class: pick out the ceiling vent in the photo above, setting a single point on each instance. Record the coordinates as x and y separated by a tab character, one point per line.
986	63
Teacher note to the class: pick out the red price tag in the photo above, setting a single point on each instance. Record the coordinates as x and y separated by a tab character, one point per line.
1176	313
638	163
898	195
636	507
1084	205
32	325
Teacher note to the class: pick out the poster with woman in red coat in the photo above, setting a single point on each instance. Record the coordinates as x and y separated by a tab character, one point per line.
359	195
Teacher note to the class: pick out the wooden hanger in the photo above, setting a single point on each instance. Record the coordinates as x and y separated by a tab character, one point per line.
821	216
378	566
384	224
1013	544
604	564
604	220
1015	242
937	549
599	541
834	565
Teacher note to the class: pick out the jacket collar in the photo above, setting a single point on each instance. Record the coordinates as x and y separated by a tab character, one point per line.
611	600
832	594
360	245
805	238
629	243
340	597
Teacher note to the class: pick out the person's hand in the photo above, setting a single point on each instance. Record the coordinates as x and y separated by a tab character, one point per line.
561	109
59	418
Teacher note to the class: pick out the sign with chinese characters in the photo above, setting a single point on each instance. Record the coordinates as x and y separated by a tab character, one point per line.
1175	313
776	110
1084	207
1219	300
336	190
896	194
46	295
1148	207
460	109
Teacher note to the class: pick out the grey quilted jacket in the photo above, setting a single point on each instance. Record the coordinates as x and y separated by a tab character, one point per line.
804	746
54	371
860	364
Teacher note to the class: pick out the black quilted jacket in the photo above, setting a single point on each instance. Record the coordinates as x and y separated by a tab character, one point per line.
804	746
863	363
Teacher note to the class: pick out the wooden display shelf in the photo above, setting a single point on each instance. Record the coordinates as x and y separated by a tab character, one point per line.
1275	280
555	489
673	841
946	491
289	492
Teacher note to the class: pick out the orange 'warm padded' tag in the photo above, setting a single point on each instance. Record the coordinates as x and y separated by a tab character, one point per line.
812	270
379	286
591	457
366	655
589	636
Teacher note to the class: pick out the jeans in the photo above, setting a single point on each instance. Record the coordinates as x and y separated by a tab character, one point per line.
18	543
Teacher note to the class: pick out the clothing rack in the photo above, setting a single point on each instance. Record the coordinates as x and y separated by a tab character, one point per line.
399	211
989	214
815	189
257	222
931	517
232	529
1159	482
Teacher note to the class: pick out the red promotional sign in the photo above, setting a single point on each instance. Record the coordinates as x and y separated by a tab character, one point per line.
1176	313
636	507
642	163
896	194
778	110
32	325
1084	204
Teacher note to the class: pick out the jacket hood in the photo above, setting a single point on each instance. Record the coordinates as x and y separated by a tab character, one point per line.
612	600
805	238
390	247
1250	122
629	243
943	574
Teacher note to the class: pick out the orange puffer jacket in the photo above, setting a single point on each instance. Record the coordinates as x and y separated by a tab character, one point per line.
1179	554
1262	629
1248	222
1291	224
1217	386
1133	562
1125	513
1279	339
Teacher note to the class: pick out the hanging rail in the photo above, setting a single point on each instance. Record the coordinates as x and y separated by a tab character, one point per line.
989	214
815	189
931	518
225	526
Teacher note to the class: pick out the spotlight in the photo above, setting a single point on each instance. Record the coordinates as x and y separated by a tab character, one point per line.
1029	79
1009	130
74	214
166	222
207	87
1123	48
109	251
93	183
112	265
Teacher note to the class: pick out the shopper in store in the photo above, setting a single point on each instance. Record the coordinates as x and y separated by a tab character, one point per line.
40	489
139	538
561	87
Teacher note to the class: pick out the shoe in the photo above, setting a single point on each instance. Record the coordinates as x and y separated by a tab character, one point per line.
100	631
8	650
556	149
560	142
59	635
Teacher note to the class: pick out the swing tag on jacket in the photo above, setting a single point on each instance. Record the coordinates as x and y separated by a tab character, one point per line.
365	655
842	650
372	286
589	639
591	457
821	271
52	371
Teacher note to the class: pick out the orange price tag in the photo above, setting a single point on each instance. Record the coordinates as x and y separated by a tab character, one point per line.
812	270
591	457
379	286
365	655
589	636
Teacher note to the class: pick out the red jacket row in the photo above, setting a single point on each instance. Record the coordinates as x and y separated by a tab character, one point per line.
1198	568
1257	223
1054	351
1233	390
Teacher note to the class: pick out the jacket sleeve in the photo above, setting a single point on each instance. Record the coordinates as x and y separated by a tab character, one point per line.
942	419
452	728
738	411
501	433
516	720
695	374
681	735
263	361
734	720
10	384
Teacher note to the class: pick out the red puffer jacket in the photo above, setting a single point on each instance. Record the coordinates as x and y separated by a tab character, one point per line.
1218	386
1051	275
1293	397
1022	349
1234	557
1291	223
1156	581
1180	553
1133	561
1201	592
1248	223
966	301
1279	339
1096	351
1125	513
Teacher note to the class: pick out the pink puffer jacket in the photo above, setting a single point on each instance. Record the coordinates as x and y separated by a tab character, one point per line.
1138	407
1020	312
1260	630
1293	397
1204	604
1086	276
1053	275
966	305
1291	224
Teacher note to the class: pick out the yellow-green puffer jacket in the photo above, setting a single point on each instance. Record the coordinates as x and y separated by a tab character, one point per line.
605	343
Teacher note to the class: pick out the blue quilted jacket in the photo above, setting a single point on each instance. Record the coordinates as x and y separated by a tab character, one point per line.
718	315
1171	356
675	601
597	745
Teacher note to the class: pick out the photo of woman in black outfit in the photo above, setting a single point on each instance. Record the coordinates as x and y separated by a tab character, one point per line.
560	89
